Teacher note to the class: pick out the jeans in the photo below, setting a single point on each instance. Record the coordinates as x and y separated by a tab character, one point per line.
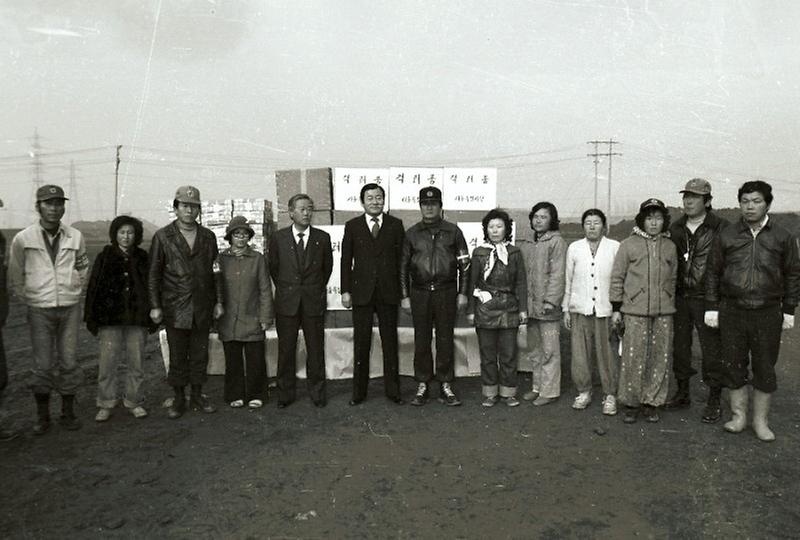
114	342
546	357
498	347
54	338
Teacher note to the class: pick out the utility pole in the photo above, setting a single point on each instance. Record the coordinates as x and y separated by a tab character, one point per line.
36	149
74	205
609	154
116	183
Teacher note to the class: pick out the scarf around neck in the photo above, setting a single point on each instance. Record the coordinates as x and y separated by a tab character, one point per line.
499	251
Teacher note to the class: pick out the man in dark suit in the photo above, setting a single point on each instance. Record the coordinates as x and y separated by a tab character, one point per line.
300	263
371	251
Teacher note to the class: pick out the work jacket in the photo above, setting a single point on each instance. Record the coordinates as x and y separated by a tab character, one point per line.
693	251
435	256
544	263
505	283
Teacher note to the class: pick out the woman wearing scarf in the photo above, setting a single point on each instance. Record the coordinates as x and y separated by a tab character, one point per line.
117	311
247	299
498	293
643	300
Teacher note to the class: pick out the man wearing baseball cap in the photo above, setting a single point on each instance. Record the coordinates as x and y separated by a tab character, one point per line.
47	270
184	296
693	234
433	283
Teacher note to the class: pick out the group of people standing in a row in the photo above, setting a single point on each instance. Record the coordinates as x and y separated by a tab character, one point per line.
737	284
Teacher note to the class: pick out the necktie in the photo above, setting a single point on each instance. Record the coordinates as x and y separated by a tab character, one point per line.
375	228
301	249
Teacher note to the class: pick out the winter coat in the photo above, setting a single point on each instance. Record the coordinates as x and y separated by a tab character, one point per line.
246	295
117	292
181	280
506	284
435	256
754	273
544	263
644	275
693	251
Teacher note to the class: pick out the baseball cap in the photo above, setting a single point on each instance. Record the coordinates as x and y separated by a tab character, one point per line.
188	195
49	192
697	186
429	194
652	203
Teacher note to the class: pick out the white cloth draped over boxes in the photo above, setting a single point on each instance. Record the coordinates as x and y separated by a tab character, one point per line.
339	353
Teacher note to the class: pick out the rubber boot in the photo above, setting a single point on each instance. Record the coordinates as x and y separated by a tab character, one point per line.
178	406
739	410
198	401
42	413
68	419
681	399
760	410
713	410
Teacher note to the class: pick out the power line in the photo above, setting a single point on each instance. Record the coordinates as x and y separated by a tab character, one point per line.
609	154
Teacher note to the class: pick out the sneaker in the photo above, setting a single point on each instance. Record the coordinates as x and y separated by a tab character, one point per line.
511	401
421	397
489	401
102	415
582	401
610	405
447	396
531	395
541	400
139	412
237	403
255	403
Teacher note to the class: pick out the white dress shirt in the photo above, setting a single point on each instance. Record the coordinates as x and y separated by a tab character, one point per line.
369	219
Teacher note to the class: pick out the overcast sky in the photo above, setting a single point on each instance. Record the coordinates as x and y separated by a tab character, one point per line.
220	93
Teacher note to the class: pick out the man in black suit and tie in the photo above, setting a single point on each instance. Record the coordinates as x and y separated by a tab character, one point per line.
371	251
300	263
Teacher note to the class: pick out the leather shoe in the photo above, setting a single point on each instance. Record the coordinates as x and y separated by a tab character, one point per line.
321	403
397	400
282	404
353	402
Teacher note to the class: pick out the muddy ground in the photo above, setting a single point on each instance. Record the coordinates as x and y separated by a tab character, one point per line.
383	471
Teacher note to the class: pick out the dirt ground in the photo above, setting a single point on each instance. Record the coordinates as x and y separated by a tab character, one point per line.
383	471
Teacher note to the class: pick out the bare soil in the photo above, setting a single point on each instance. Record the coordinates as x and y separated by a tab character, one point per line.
384	471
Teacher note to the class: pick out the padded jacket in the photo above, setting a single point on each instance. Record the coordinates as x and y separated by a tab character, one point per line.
435	256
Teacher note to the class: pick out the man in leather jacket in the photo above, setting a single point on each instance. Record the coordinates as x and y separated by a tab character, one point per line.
433	277
693	234
752	290
183	293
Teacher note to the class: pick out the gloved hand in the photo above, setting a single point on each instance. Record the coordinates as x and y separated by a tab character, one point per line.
788	321
711	319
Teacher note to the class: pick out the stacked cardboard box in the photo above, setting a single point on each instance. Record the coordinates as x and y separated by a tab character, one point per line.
215	215
260	215
316	183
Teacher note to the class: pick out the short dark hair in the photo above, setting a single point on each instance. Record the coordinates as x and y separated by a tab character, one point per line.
551	208
759	186
496	213
594	212
299	197
118	222
368	187
642	215
176	202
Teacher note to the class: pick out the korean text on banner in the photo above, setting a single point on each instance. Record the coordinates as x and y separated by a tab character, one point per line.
469	188
347	184
405	183
334	289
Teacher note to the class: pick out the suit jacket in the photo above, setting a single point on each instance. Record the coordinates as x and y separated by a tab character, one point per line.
369	263
300	287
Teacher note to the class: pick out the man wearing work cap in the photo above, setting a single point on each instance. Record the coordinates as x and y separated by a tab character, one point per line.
693	234
752	290
47	270
433	282
184	297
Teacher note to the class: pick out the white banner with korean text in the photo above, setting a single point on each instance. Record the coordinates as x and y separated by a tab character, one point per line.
469	188
334	289
347	184
405	183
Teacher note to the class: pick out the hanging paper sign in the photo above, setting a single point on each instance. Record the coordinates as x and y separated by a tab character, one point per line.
406	182
470	188
334	288
347	184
